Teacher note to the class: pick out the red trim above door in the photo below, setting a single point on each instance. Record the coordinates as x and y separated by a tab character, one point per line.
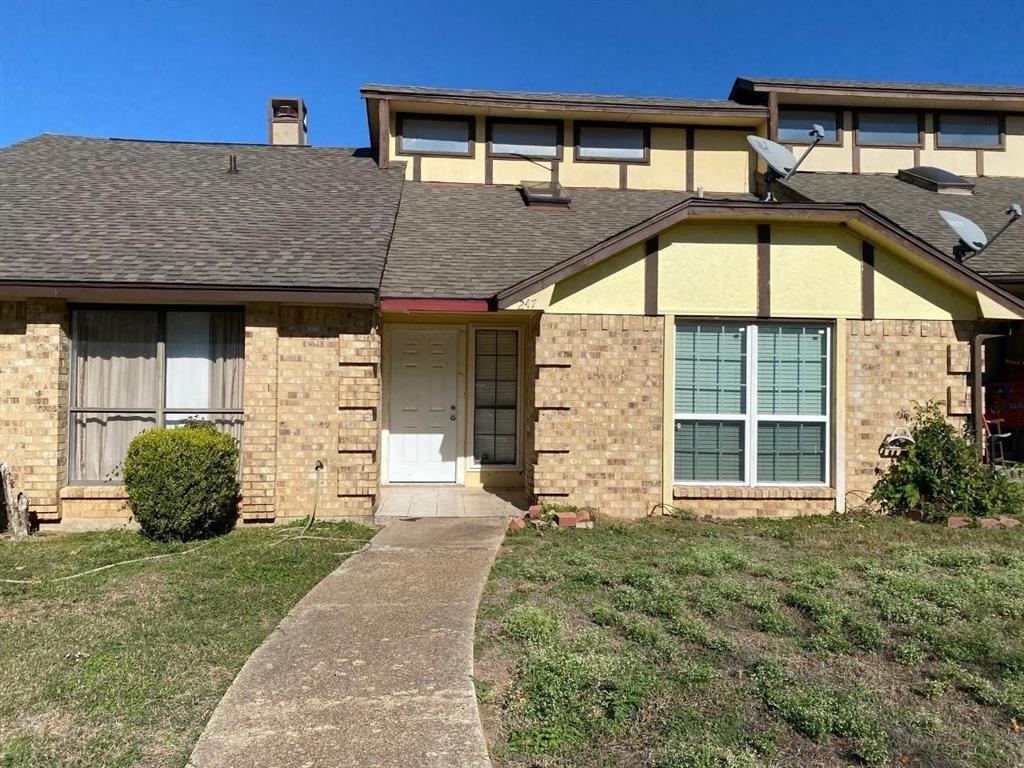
434	305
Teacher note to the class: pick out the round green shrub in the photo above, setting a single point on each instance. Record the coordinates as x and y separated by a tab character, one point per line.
940	475
182	483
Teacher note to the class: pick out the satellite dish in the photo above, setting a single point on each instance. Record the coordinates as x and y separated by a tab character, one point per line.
972	238
970	234
781	162
778	158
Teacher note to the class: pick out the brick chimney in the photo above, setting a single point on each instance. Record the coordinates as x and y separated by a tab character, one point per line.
287	122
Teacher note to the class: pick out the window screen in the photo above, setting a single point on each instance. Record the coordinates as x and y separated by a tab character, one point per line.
711	381
717	437
610	142
969	130
423	135
794	125
526	139
495	417
117	392
887	128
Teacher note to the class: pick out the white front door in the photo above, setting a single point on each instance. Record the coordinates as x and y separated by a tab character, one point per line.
423	418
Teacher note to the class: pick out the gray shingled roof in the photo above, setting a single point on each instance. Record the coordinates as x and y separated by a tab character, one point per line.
99	210
372	89
789	82
461	241
917	210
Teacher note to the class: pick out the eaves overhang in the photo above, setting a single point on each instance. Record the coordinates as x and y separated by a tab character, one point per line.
177	292
563	102
857	214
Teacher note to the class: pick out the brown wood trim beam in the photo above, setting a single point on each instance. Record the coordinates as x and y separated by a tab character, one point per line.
867	280
651	247
764	270
417	168
555	165
690	154
773	116
383	133
623	176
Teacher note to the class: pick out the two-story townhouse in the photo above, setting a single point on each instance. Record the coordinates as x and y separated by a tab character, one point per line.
573	298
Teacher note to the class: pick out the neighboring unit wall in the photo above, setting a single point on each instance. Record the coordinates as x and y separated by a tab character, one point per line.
683	158
891	365
598	412
849	155
34	353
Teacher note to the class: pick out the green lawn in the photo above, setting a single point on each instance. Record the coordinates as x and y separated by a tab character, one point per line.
817	642
123	667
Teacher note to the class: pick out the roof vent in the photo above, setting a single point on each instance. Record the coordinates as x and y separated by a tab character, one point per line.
544	194
936	180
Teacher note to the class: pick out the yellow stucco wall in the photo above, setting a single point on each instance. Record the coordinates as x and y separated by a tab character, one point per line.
881	160
614	286
906	292
706	268
668	162
1010	162
710	268
815	272
721	161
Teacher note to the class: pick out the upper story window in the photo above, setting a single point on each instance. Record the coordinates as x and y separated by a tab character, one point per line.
969	130
889	128
604	142
521	138
794	125
436	135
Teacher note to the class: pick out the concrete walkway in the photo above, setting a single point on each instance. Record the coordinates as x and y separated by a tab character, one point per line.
373	668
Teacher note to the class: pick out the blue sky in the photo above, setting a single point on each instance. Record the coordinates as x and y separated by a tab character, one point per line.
202	70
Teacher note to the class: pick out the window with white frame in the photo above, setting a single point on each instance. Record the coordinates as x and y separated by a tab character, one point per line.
751	403
134	369
495	396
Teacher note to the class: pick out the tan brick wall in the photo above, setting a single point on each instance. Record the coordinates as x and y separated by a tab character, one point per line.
328	407
259	400
597	416
891	365
734	503
34	356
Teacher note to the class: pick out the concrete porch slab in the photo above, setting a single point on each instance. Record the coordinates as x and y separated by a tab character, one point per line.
449	501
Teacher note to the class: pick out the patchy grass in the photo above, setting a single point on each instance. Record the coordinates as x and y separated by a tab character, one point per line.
816	642
123	667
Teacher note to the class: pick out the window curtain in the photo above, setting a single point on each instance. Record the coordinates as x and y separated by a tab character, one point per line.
115	368
227	362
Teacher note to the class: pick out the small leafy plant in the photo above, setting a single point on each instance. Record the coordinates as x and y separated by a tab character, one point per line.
182	483
940	475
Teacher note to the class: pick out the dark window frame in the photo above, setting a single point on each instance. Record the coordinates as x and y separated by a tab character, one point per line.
1000	126
644	127
476	463
840	125
919	114
559	126
401	117
160	410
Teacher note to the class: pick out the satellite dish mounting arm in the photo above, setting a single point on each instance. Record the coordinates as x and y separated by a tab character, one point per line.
817	133
776	170
963	252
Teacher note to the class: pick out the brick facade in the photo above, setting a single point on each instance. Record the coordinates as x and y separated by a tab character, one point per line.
34	357
312	392
891	365
597	415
